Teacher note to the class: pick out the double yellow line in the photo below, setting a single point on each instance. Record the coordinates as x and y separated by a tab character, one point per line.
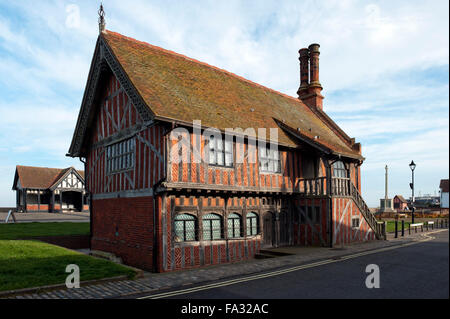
280	272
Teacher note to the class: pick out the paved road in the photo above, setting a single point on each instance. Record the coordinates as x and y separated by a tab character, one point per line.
417	271
76	217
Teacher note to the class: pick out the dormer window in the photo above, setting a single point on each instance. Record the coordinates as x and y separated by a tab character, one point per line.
269	160
339	170
220	152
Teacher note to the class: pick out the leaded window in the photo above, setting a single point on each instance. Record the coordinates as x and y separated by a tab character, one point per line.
185	228
252	224
212	227
220	153
339	170
120	156
269	160
234	226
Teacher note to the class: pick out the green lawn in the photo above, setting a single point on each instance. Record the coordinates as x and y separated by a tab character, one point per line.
27	230
390	228
26	264
391	224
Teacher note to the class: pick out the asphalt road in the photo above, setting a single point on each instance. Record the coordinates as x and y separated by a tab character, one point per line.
417	271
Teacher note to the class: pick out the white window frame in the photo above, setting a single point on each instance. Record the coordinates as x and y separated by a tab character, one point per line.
220	152
269	160
340	169
353	224
121	156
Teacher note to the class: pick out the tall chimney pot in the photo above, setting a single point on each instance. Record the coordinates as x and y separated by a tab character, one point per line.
310	95
304	71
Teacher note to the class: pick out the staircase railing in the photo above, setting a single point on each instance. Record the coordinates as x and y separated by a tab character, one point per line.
340	187
365	211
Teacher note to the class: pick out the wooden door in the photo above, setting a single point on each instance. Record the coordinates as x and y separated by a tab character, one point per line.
268	230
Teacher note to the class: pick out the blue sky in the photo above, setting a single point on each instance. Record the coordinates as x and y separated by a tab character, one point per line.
384	68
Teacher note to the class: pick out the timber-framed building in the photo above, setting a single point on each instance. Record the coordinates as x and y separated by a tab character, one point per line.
55	190
165	211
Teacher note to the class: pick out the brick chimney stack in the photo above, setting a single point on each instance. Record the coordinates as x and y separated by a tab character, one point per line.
304	71
309	92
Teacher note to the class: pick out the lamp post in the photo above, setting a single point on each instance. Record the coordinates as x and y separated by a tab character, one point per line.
412	166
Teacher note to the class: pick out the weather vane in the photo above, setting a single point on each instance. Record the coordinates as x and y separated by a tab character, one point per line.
101	18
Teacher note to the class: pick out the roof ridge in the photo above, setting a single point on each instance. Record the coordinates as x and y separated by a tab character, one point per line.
212	67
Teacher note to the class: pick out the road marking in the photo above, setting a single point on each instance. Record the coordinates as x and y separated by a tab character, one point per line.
284	271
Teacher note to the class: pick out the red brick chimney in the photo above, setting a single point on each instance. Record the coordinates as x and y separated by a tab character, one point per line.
304	72
309	92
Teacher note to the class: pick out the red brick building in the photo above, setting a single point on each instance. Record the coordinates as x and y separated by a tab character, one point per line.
43	189
163	210
400	203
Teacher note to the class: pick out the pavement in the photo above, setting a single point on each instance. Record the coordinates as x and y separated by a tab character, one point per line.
76	217
153	283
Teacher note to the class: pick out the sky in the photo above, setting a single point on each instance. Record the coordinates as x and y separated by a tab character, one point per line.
384	67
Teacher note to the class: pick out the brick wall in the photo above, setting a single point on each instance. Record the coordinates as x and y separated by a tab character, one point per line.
124	227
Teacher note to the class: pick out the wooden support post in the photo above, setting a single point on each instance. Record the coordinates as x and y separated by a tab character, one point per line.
53	201
25	200
60	201
39	200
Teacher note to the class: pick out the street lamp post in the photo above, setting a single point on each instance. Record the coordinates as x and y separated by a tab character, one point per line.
412	166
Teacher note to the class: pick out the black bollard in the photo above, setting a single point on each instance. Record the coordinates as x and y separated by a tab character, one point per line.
396	229
403	228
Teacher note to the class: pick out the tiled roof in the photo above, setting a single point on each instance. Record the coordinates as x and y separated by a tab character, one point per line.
444	185
40	177
401	198
179	88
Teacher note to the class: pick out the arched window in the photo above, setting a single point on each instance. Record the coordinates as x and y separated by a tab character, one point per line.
234	226
185	229
339	170
252	224
212	227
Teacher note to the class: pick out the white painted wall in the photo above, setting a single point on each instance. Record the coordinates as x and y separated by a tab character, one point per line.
444	200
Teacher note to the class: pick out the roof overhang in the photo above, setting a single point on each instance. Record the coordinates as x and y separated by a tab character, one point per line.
103	61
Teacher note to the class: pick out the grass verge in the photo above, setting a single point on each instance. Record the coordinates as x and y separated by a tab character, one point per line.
27	230
29	264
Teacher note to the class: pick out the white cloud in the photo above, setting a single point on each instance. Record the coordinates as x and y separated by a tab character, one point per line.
364	45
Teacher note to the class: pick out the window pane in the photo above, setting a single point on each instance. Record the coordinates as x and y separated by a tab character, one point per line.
212	224
212	157
276	154
234	226
276	166
220	160
219	144
207	230
262	152
254	226
190	230
228	146
270	166
179	230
